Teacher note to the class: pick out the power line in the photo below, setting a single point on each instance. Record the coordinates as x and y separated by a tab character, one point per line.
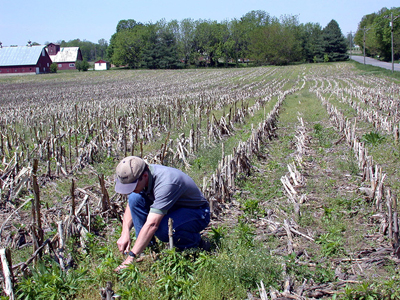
391	33
365	31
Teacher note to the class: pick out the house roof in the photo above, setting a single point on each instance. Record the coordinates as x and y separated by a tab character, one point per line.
20	56
101	61
66	54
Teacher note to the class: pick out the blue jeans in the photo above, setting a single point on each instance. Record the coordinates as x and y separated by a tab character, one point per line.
188	222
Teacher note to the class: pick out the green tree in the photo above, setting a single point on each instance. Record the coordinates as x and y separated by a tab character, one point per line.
226	46
127	24
129	44
266	46
207	41
101	49
185	40
293	48
161	52
250	27
238	41
120	39
378	33
366	28
334	42
110	48
383	33
82	65
53	68
312	42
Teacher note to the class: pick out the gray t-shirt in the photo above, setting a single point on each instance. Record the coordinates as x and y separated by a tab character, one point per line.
171	188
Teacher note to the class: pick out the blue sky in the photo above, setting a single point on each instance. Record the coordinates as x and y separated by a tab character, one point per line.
50	21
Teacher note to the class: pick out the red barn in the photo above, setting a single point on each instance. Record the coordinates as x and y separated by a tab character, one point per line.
24	59
64	57
53	49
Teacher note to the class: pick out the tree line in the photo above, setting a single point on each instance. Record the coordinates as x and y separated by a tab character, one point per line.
256	37
375	30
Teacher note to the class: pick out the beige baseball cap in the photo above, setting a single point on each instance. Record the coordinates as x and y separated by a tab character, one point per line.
128	172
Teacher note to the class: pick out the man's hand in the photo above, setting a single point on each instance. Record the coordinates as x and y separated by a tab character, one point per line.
125	264
124	242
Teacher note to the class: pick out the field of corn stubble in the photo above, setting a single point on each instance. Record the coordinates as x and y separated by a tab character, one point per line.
299	164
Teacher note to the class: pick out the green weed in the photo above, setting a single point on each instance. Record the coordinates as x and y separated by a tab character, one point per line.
321	273
386	289
348	164
251	207
217	234
331	244
48	281
373	138
130	275
323	136
363	291
244	234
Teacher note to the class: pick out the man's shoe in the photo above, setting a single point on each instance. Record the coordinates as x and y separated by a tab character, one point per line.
205	244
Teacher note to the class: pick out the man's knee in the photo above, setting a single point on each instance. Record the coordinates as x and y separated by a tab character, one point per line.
137	204
135	199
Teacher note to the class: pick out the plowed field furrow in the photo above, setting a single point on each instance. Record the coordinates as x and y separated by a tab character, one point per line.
349	245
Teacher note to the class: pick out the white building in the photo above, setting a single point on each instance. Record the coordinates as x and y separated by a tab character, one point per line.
101	65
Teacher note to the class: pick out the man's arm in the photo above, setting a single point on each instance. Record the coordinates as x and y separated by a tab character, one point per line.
124	242
146	233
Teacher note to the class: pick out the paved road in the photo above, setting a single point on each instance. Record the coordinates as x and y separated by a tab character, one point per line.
375	62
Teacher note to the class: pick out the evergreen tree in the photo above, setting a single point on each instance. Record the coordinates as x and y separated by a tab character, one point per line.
161	52
335	45
312	42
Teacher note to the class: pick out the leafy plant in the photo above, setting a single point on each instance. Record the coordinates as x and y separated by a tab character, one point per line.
373	138
174	262
318	128
327	213
245	234
48	281
82	65
98	224
320	273
53	68
217	234
322	136
175	272
362	291
247	267
331	244
130	275
132	292
176	287
250	206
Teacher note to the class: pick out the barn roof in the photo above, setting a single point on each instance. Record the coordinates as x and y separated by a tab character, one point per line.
20	56
66	54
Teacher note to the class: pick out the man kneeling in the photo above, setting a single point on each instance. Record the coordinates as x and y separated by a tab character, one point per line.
157	193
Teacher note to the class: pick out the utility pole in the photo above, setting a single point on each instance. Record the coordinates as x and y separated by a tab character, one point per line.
350	36
365	30
391	32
